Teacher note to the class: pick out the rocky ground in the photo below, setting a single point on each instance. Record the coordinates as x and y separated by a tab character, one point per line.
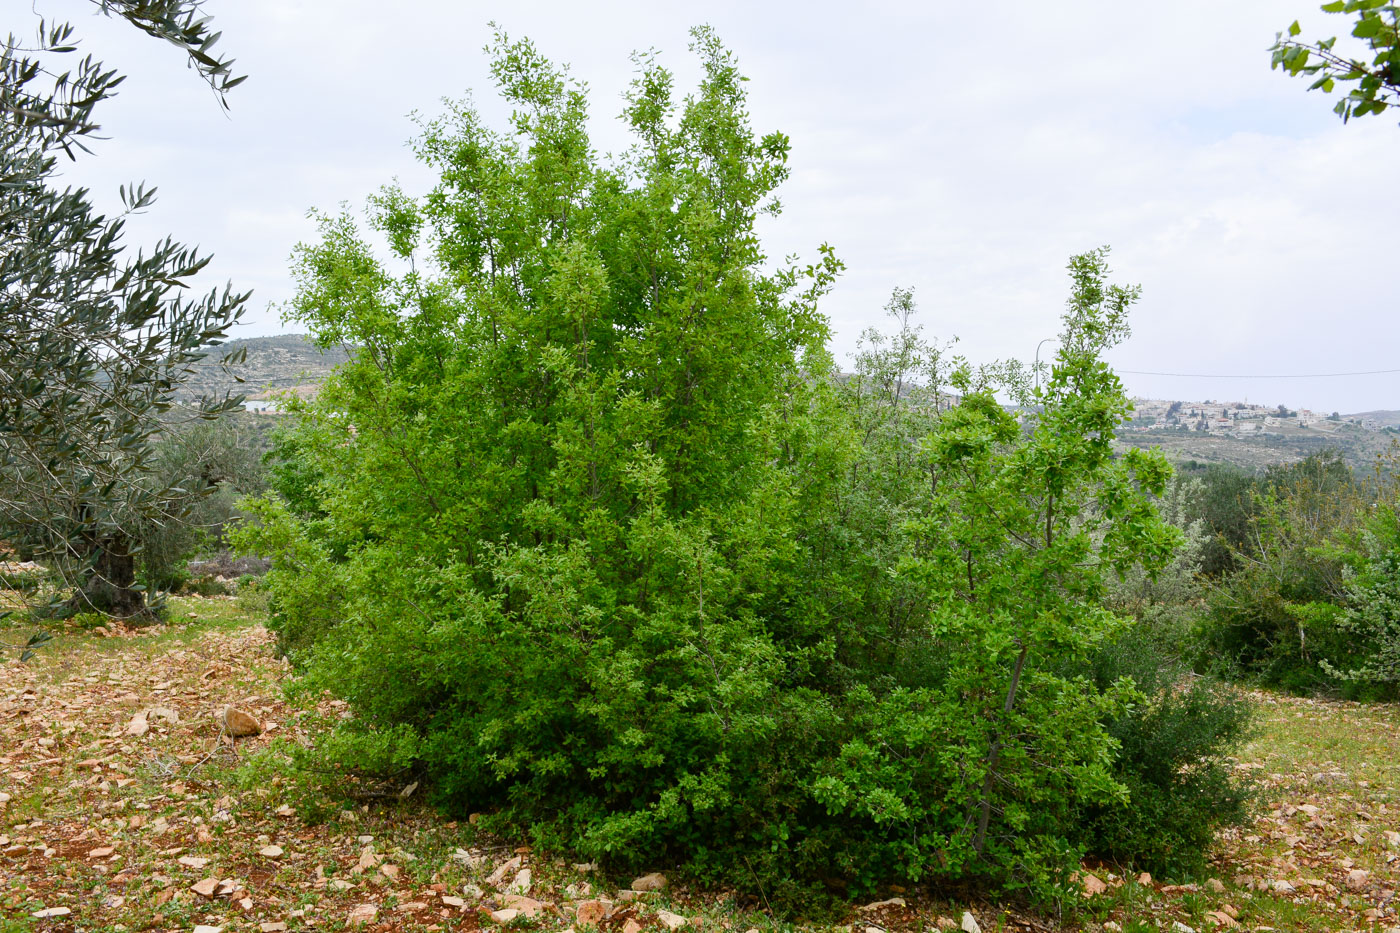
125	805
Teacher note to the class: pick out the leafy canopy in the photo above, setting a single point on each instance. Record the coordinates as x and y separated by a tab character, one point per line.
1374	84
591	536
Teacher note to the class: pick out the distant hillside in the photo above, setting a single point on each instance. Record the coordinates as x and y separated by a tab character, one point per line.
272	363
1282	445
1384	418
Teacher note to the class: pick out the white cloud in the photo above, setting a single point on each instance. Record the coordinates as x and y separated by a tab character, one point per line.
965	150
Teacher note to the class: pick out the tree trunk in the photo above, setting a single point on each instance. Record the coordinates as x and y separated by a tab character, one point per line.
984	806
110	583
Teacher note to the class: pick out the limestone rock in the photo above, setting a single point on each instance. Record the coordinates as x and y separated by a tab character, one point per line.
592	913
527	907
651	882
969	923
521	884
671	921
502	870
364	913
237	724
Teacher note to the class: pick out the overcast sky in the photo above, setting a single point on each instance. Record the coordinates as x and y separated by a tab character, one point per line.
965	150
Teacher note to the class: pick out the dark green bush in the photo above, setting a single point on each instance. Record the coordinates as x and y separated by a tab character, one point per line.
1175	758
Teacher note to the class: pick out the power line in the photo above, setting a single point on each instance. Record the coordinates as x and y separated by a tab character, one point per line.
1368	372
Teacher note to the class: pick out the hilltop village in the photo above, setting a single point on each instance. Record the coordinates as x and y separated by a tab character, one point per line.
1240	419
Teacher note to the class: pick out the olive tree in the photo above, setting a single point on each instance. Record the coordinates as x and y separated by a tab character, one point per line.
94	341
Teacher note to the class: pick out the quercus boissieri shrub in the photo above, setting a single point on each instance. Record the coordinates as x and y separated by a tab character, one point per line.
592	538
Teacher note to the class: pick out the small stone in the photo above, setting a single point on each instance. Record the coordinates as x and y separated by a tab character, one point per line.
502	870
946	923
521	884
1283	887
273	926
473	891
452	900
892	902
671	921
505	916
969	923
138	725
585	867
237	724
206	928
1179	927
1111	926
368	859
651	882
271	851
162	713
1358	879
206	887
1216	885
364	913
101	852
192	861
1092	886
527	906
1145	879
591	913
48	913
631	926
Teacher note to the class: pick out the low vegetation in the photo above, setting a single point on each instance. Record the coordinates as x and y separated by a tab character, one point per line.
123	830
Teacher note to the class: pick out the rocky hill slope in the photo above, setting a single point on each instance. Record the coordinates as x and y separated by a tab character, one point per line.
272	363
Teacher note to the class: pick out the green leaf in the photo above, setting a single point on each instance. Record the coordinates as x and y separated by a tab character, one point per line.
1295	29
